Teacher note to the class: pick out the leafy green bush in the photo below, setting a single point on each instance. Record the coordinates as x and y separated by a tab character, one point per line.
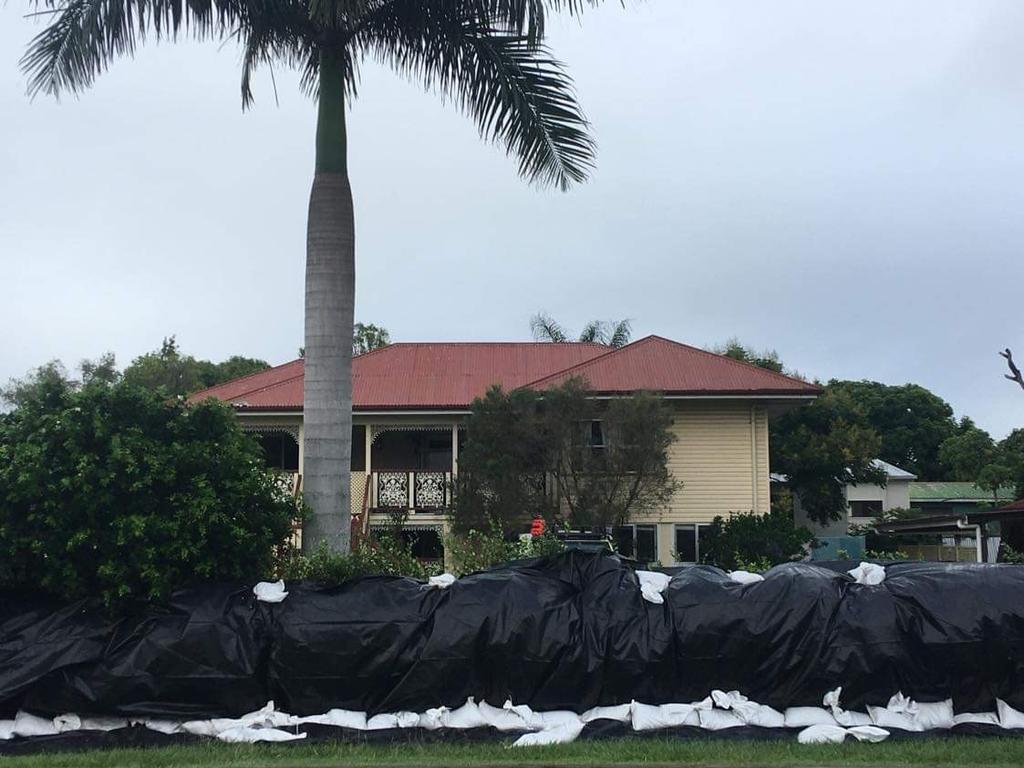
478	550
747	541
871	554
111	492
382	555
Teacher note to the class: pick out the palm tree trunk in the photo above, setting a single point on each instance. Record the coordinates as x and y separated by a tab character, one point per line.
330	300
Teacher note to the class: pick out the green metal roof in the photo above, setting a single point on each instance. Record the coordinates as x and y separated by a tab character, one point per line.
955	491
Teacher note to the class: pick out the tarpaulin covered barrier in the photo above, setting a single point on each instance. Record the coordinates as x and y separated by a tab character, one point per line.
568	632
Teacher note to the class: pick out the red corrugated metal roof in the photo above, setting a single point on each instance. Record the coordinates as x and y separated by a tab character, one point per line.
407	376
662	365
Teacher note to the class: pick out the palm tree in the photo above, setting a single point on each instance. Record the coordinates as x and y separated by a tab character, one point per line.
485	55
609	332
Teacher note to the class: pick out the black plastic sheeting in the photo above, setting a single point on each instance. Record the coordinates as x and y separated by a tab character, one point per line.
567	632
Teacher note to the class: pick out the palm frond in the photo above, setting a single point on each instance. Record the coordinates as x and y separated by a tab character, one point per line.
516	92
545	328
622	332
594	332
86	35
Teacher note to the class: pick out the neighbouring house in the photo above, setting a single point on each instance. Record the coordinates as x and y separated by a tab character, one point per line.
954	498
978	529
864	502
411	401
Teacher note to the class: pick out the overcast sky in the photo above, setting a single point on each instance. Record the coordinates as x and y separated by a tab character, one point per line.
839	181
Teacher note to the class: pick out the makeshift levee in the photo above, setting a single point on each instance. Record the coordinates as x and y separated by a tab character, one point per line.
537	651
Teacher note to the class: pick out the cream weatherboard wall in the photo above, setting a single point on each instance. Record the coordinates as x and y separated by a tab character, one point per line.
721	457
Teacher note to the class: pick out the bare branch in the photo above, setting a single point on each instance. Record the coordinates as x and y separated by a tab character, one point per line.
1014	374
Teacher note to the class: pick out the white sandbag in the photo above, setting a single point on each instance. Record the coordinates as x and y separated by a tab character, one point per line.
935	715
718	719
6	730
67	722
556	717
651	717
822	734
844	718
466	716
976	718
559	734
504	719
622	713
745	577
340	718
433	719
1008	716
900	712
869	574
443	581
805	717
26	724
763	716
868	733
852	719
103	723
244	734
887	718
385	721
270	591
164	726
652	584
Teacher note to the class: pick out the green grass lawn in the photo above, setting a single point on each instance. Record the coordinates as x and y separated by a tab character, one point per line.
647	752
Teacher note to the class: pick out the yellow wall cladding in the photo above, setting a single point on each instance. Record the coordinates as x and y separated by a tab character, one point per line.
721	456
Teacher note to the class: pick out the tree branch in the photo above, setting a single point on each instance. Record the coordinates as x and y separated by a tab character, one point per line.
1014	374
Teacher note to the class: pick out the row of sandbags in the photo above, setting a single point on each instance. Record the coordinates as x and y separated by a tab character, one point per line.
570	632
721	711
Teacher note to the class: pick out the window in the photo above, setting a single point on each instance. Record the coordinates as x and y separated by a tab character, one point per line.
688	542
871	508
637	541
596	439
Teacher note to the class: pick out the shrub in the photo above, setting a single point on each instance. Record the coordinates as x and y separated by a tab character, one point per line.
478	550
380	555
111	492
747	541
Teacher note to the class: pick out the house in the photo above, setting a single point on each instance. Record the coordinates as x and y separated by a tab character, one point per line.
954	498
864	502
411	401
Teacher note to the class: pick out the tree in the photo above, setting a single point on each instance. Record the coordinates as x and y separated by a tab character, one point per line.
1011	454
562	454
753	542
500	484
966	453
367	337
486	55
821	448
608	460
612	333
52	377
173	374
911	422
110	491
1014	374
733	348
